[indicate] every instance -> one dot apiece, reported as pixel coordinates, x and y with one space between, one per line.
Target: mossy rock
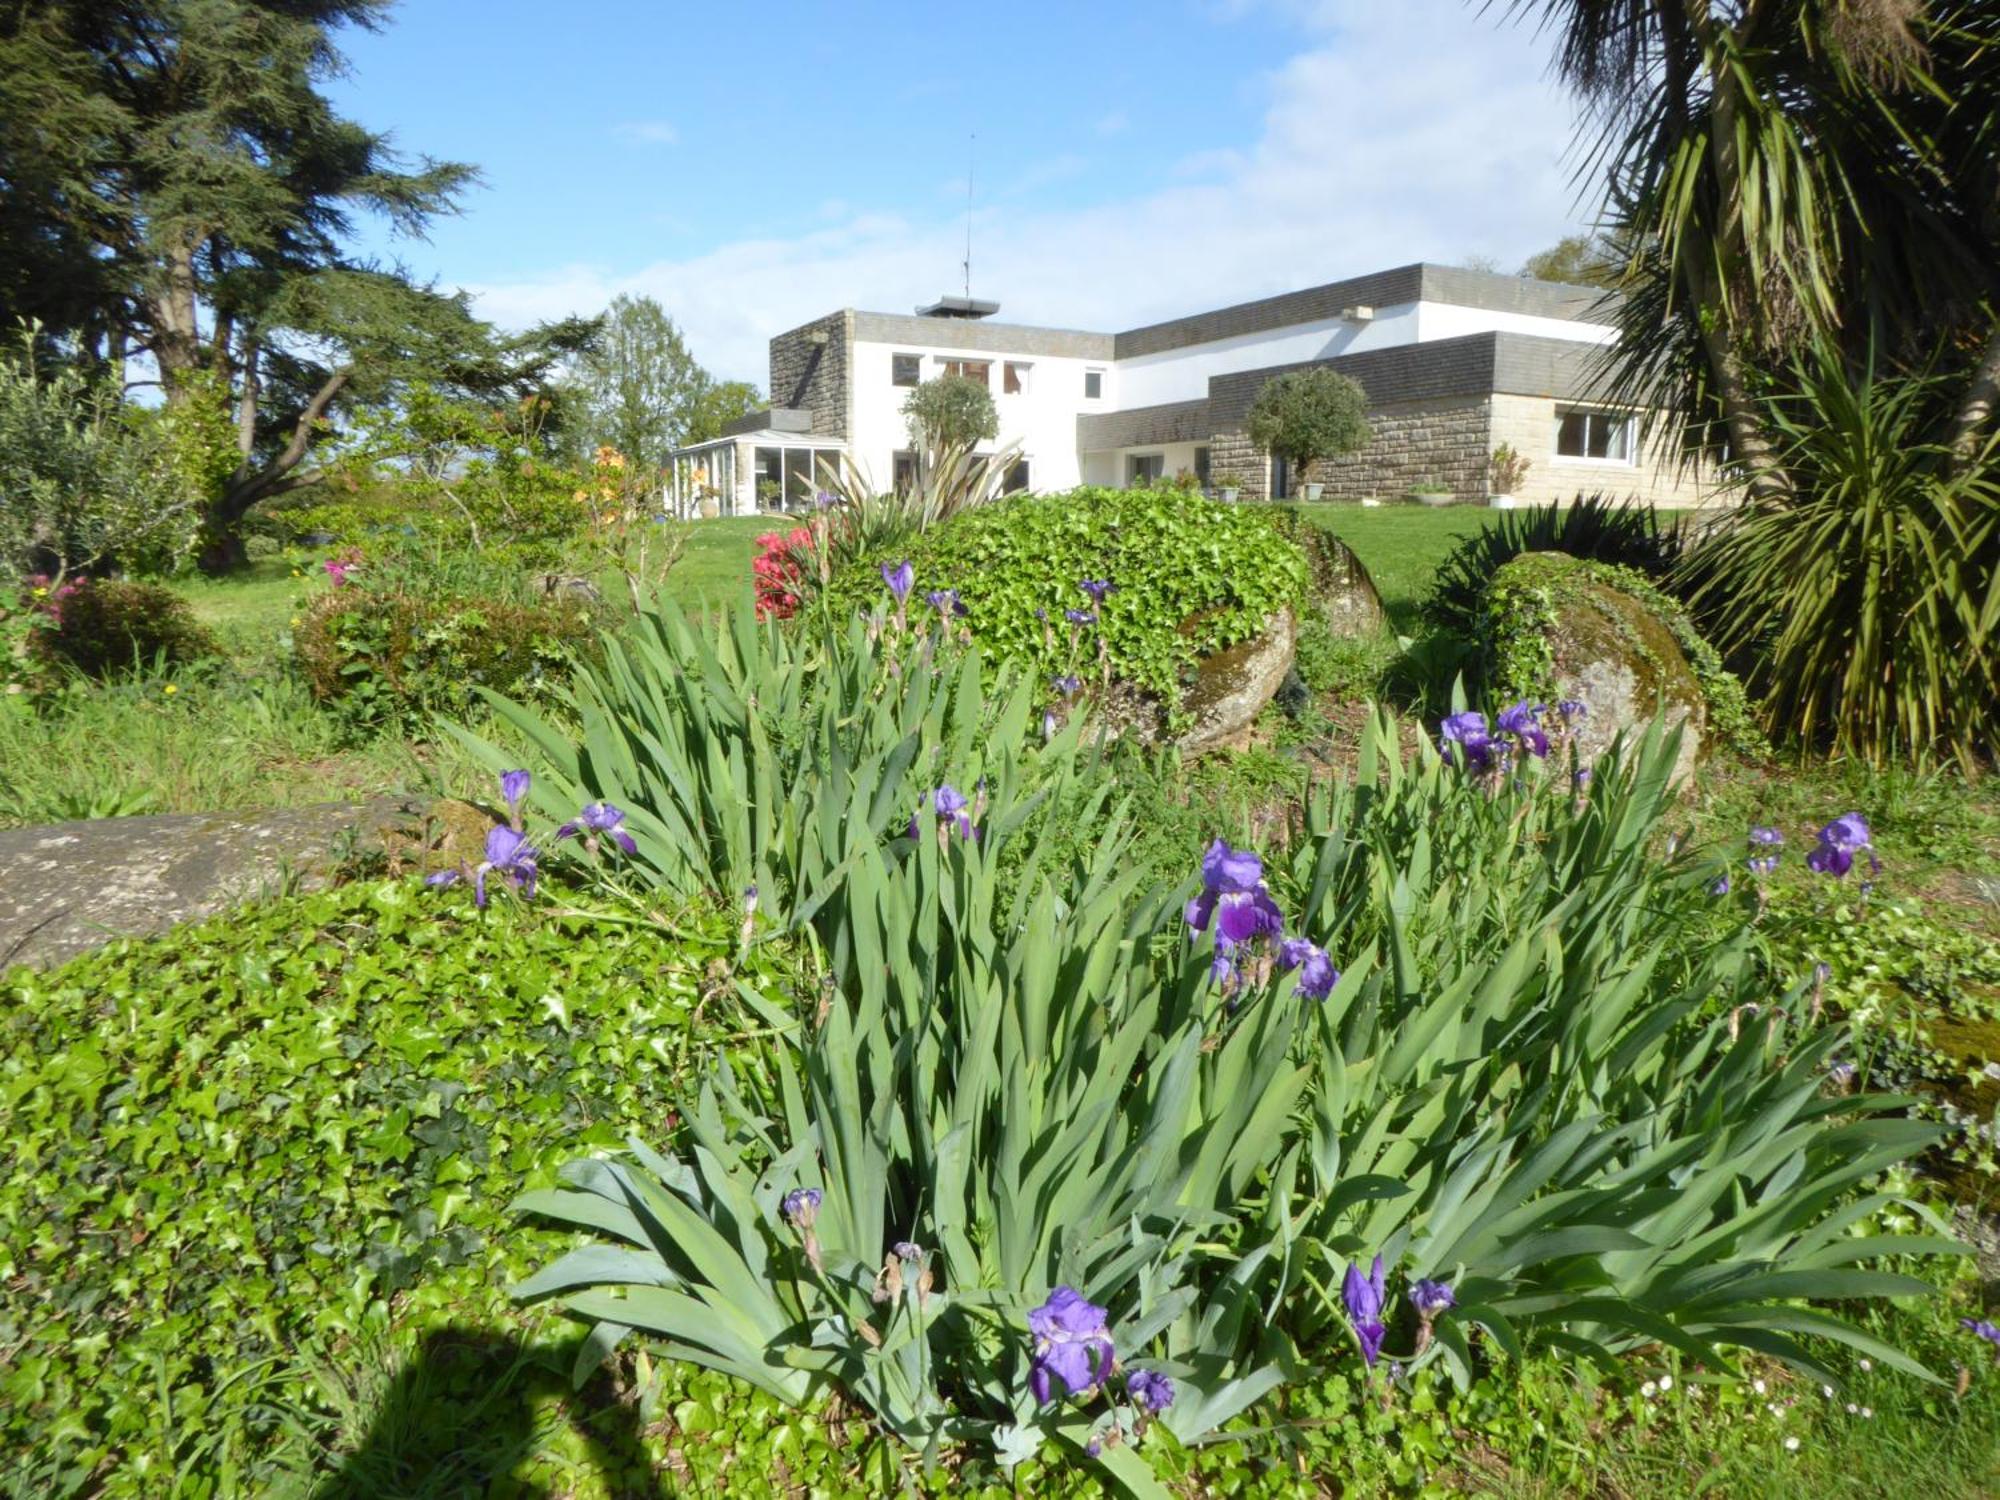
1556 627
1338 585
1227 691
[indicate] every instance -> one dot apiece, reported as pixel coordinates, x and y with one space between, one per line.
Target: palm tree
1790 174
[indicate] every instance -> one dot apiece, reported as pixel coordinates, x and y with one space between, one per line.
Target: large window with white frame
1593 436
1014 378
980 370
906 369
1142 469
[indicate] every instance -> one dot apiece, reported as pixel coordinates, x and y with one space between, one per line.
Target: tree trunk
176 326
1975 412
223 548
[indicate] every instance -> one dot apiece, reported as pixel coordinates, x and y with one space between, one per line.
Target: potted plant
1228 487
1507 468
767 494
1432 492
1306 415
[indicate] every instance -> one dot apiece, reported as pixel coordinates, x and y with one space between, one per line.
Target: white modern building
1455 364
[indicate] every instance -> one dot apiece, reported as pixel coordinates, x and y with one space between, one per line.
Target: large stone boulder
1231 687
71 887
1337 585
1556 627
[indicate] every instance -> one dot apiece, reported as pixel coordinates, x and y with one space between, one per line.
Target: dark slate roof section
979 337
1170 422
775 418
1478 364
1312 305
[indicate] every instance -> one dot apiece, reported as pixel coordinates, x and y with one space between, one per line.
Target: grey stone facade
1171 422
811 366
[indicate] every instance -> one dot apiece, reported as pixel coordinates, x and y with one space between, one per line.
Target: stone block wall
1444 441
1529 423
814 376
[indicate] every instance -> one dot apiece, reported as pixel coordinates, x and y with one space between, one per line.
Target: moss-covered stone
1338 586
1557 627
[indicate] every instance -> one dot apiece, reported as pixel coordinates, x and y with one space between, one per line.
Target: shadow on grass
470 1407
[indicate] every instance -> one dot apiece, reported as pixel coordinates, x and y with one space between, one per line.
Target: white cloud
646 133
1413 131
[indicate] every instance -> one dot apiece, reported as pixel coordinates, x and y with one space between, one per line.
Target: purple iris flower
1080 616
901 578
908 1250
1572 710
1462 738
1072 1344
508 853
945 601
1097 588
1365 1298
1720 886
1843 838
1068 685
1430 1298
1150 1390
1232 882
1983 1329
1523 721
513 787
1582 778
949 803
801 1206
1317 975
601 818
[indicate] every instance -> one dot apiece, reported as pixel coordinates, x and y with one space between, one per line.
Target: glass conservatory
766 471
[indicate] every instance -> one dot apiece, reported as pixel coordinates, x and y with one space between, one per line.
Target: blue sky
752 167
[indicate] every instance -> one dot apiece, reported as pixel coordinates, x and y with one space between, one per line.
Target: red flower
776 572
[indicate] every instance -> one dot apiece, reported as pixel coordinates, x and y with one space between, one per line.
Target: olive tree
1306 415
951 411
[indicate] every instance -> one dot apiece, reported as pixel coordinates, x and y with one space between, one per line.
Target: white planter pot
1436 497
1500 502
1228 496
1311 491
1370 501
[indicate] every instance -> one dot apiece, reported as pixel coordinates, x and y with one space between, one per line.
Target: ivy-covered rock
1187 578
1556 627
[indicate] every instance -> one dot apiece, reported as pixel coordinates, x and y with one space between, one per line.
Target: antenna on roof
971 140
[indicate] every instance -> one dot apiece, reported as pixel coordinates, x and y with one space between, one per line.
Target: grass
1401 546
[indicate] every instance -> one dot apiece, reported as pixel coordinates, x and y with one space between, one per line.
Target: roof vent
959 307
1361 312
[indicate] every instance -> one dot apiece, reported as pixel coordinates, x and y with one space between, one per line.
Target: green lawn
1401 546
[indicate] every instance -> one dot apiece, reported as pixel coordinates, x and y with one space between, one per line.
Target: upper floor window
906 369
980 370
1604 435
1013 378
1093 385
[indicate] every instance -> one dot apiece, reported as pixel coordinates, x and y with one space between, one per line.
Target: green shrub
107 626
1593 526
1192 577
382 654
1869 602
1305 415
242 1155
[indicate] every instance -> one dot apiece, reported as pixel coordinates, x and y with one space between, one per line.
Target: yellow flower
295 622
41 593
170 688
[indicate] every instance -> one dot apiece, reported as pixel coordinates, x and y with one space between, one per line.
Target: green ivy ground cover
289 1130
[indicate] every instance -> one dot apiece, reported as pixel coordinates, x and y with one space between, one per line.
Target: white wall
1042 418
1447 320
1182 374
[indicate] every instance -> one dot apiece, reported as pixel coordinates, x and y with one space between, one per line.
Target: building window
906 369
1017 475
1603 435
903 473
980 370
1093 385
770 485
1201 467
1014 378
1144 468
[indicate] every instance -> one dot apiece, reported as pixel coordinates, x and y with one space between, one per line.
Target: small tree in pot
1307 415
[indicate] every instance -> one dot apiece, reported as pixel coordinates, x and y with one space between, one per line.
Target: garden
1107 992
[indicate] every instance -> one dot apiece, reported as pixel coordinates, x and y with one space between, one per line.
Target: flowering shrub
777 573
101 627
